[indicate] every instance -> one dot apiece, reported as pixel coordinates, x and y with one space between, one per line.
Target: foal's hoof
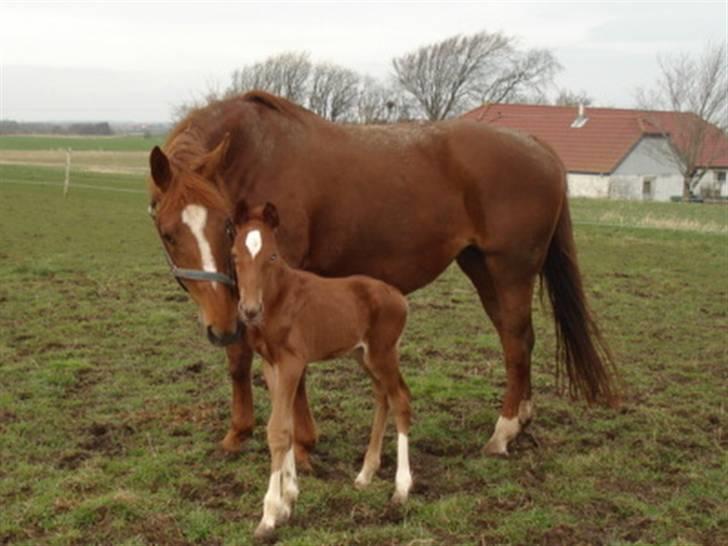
496 448
265 533
399 498
233 442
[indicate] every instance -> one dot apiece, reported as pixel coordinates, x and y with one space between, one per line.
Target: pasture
112 402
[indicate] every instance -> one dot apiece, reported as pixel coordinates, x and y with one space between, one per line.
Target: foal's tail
580 348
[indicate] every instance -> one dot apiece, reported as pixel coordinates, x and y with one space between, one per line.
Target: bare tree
383 103
567 97
450 76
213 91
286 74
697 87
333 91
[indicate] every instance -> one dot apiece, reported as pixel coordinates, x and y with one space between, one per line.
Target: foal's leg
240 358
385 368
282 487
373 457
507 301
305 434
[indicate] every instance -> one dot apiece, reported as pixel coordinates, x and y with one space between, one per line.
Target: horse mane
187 189
202 120
277 104
190 139
185 148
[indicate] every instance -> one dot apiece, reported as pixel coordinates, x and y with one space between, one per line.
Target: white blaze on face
253 242
195 217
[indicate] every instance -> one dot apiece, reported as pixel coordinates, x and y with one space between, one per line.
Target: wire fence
654 224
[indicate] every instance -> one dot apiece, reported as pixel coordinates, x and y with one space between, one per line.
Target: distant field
52 142
112 402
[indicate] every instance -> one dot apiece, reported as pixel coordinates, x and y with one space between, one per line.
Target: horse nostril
213 335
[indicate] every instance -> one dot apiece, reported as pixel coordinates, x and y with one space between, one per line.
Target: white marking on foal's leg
403 479
274 509
368 469
253 242
505 430
195 217
290 479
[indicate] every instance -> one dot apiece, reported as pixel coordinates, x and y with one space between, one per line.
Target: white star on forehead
254 242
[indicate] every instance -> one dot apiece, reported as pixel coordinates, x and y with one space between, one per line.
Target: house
619 153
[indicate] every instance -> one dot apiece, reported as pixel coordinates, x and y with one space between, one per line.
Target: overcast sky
122 61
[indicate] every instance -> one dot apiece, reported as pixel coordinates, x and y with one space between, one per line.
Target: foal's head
191 214
255 254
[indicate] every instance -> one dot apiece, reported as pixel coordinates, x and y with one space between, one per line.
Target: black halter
194 274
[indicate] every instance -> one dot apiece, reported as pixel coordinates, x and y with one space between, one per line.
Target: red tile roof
606 138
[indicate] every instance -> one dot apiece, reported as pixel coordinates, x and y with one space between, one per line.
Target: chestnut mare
395 202
294 317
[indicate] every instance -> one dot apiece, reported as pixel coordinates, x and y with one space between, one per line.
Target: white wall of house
649 172
588 185
645 188
713 182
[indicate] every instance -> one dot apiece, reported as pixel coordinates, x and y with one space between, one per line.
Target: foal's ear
242 214
213 160
270 215
161 171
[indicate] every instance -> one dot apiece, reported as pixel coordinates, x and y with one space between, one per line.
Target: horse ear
161 171
242 214
212 161
270 215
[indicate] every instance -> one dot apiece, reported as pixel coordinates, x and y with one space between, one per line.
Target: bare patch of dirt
106 438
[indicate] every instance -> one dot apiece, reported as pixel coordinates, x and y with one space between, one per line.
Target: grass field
124 143
112 402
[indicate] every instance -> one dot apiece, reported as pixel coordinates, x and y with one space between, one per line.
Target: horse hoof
232 443
495 449
265 533
399 498
361 483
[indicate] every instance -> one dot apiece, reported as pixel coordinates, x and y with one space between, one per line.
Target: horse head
192 216
255 255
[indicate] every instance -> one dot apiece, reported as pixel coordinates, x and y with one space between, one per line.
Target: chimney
581 119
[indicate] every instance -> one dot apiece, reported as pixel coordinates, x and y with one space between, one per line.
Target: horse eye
230 232
168 238
273 257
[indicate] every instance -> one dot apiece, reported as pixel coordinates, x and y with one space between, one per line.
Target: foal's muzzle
250 314
221 339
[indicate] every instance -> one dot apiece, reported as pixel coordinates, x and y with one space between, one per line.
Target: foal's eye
230 232
273 257
168 238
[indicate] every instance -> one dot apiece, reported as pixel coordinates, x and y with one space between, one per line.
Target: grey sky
134 61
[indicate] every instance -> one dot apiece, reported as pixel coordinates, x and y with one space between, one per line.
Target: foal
294 317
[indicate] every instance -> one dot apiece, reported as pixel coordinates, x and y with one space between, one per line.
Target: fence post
67 182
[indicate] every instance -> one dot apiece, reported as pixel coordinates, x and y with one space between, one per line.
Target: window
720 177
648 187
579 122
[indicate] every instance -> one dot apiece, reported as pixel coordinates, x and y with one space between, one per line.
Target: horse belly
405 264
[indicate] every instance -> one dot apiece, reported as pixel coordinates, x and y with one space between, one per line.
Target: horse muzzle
222 339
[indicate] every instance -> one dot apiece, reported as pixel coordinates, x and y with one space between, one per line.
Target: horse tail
581 351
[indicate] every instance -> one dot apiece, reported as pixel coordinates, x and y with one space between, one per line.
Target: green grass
112 403
81 180
78 143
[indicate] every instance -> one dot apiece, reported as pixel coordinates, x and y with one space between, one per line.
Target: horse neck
277 284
